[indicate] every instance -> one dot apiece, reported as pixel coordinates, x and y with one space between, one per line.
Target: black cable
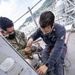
69 62
66 65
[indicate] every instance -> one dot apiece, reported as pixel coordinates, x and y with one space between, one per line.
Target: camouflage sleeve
24 37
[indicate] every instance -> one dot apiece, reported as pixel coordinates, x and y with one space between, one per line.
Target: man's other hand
42 69
28 50
30 41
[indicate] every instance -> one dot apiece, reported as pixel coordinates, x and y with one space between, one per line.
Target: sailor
53 35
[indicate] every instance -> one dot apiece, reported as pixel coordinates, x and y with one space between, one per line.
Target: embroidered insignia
62 37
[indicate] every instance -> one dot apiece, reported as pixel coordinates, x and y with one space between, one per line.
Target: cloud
7 7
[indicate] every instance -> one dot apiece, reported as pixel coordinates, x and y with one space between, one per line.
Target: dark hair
46 19
5 23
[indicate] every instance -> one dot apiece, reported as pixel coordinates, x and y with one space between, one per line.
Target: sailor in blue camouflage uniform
53 35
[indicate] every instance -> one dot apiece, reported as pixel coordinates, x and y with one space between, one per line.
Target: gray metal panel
20 66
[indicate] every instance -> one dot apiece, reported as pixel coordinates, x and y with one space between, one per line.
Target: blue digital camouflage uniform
53 54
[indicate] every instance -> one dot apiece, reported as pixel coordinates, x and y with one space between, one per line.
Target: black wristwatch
47 64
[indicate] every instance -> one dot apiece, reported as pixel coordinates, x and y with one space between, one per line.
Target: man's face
47 30
10 30
10 33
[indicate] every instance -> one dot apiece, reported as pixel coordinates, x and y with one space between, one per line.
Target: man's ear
1 31
52 26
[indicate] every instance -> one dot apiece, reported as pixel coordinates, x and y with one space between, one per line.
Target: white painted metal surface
10 61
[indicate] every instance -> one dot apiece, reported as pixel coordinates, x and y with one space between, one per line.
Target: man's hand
42 69
28 50
29 43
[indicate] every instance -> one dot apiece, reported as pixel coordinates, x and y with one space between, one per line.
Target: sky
13 9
